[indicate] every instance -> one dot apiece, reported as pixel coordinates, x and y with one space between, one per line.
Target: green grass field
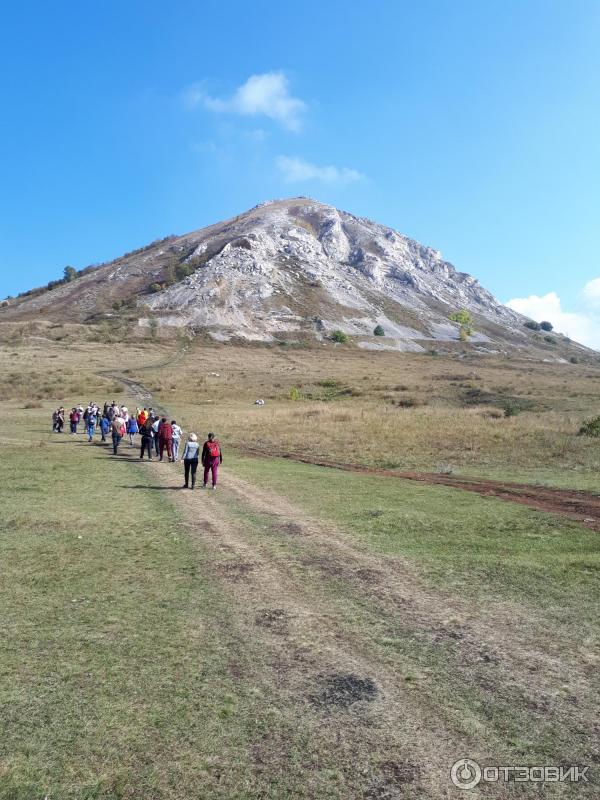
301 633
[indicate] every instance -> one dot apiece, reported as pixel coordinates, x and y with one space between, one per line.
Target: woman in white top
177 433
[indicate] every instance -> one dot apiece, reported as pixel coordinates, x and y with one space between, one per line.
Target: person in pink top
212 458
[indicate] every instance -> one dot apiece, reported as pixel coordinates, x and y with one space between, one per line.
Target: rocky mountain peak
291 268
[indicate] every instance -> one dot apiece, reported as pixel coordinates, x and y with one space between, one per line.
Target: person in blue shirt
91 426
104 427
132 429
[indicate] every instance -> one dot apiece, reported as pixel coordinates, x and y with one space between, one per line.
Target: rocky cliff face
301 266
291 268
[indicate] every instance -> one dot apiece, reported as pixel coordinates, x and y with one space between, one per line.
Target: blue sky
471 126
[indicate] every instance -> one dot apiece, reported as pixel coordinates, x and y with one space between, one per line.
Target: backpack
213 448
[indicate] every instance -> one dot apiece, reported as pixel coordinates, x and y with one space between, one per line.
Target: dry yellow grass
407 411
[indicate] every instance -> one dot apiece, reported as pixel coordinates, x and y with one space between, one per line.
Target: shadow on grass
158 488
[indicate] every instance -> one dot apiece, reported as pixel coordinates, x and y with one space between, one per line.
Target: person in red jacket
165 438
212 457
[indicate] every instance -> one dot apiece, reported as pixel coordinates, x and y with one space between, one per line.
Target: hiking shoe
213 488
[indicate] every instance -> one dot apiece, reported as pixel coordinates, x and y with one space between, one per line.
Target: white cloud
296 170
591 292
267 94
579 326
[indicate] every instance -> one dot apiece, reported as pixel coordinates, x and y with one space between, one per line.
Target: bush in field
546 326
591 427
532 325
339 336
379 331
295 394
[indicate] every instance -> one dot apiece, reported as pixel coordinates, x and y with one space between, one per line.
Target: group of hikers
157 434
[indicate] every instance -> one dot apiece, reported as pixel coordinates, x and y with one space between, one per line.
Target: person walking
212 457
104 427
55 421
91 425
177 434
118 431
74 420
147 436
156 430
165 436
190 460
132 429
60 421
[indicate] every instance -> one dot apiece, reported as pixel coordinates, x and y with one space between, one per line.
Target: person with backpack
91 425
55 421
190 460
132 428
104 427
118 431
147 436
165 439
177 434
212 458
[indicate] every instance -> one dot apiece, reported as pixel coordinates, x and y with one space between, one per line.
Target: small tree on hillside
546 326
70 273
532 325
379 331
465 320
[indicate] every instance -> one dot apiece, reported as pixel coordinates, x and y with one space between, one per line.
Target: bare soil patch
571 503
342 690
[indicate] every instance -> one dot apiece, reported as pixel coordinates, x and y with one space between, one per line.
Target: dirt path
388 738
571 503
318 606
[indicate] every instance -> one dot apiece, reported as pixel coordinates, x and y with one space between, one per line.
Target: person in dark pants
147 439
165 436
118 432
190 460
212 457
104 427
156 423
